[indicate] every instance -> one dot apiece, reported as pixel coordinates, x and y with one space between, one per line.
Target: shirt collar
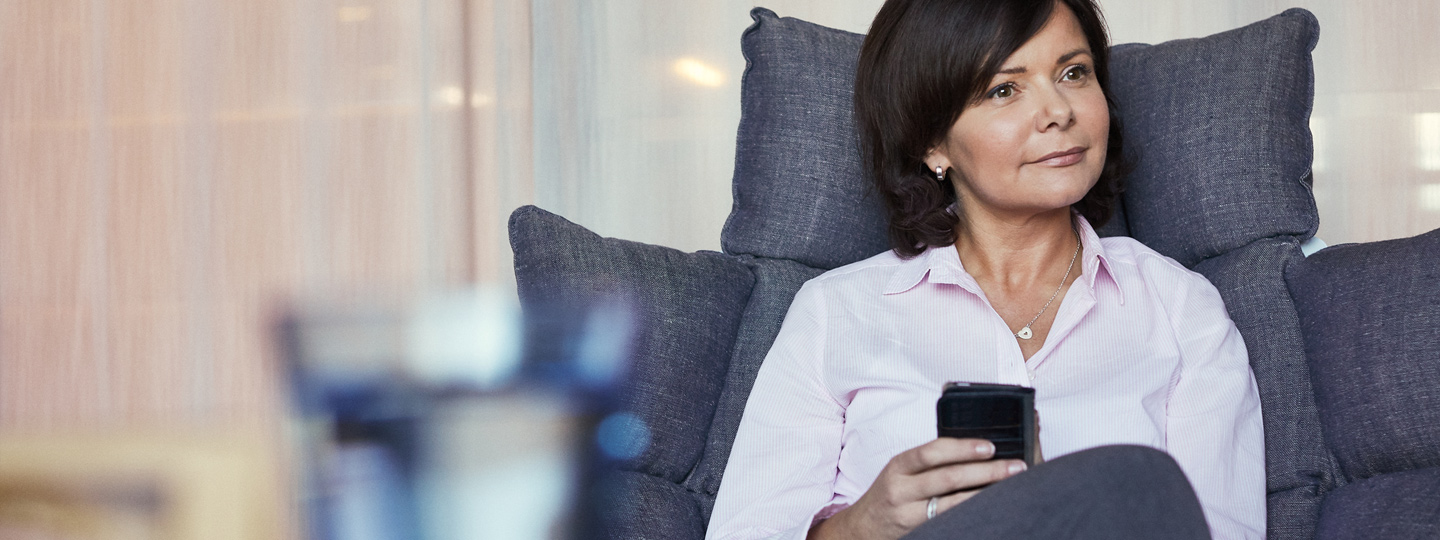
1095 258
942 265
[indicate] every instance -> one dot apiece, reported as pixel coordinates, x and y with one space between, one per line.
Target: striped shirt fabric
1142 351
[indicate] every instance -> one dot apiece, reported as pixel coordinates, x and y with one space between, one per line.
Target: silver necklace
1025 332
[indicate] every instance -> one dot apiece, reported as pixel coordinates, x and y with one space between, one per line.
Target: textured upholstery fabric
687 306
1299 470
644 507
776 284
1220 129
1370 314
800 193
1395 506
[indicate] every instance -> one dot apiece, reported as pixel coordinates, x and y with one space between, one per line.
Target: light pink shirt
1141 352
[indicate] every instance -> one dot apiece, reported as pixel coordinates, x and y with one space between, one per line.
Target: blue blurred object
456 418
622 436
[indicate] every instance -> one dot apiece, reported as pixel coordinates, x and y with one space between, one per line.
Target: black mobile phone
1002 413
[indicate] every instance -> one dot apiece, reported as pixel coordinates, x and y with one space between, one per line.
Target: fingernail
985 448
1017 467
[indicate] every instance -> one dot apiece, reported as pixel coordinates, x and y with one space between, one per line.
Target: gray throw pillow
1219 128
1396 505
1370 314
687 309
800 191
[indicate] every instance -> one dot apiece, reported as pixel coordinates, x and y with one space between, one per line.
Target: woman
992 139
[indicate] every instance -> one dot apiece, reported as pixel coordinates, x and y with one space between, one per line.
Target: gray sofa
1343 344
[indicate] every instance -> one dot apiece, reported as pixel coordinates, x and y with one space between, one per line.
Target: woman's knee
1128 462
1126 472
1142 481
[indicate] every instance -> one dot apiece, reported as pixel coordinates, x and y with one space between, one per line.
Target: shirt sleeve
781 473
1214 428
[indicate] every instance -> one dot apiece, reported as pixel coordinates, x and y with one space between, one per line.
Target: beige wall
172 170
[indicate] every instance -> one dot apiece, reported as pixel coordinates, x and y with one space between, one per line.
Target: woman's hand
951 469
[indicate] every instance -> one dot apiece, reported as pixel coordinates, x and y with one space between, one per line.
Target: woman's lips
1063 158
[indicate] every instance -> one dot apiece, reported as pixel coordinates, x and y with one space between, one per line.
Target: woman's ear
936 160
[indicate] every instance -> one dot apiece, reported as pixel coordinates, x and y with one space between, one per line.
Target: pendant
1025 333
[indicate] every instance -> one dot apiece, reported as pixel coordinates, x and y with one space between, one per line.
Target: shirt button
1031 372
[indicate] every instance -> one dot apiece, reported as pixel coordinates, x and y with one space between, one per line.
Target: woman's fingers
949 469
945 466
1039 452
940 452
952 500
964 476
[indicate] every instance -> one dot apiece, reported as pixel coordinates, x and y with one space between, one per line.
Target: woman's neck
1016 252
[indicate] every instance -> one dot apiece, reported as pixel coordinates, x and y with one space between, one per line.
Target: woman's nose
1055 111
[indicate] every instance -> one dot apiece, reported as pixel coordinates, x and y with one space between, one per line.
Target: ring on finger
930 508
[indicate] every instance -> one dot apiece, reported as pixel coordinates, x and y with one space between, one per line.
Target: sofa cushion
800 192
1219 130
1298 469
637 506
686 312
1370 313
1403 505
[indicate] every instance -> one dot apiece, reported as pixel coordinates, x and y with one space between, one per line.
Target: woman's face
1036 140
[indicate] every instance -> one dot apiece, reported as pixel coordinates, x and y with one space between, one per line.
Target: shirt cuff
824 514
797 532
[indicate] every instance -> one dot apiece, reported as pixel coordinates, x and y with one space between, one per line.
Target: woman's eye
1075 73
1001 92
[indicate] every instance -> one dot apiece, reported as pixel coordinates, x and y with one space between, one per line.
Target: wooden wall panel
256 256
373 241
53 360
47 215
176 172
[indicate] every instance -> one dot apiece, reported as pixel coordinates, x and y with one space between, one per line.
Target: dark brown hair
918 57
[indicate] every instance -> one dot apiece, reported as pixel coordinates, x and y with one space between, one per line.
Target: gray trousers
1121 492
